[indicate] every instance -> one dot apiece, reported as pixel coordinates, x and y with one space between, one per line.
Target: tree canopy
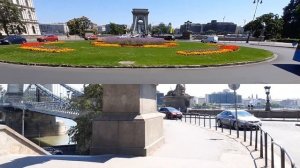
90 103
11 18
162 28
116 29
78 26
272 28
291 18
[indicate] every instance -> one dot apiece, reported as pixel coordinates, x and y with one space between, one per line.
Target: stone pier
130 123
36 124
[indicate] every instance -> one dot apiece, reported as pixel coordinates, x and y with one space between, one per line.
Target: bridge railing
51 108
258 138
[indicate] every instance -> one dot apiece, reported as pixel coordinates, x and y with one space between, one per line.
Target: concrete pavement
287 134
186 146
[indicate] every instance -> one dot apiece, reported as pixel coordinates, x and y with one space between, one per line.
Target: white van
210 39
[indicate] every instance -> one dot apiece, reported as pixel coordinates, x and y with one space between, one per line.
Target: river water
56 140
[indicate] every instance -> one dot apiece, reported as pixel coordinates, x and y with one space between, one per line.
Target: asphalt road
283 70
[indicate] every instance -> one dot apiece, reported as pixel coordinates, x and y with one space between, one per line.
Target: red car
171 113
91 37
47 38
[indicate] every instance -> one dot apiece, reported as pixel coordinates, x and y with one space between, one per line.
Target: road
283 70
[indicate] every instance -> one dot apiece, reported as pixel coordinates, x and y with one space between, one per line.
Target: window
33 30
26 1
18 2
29 15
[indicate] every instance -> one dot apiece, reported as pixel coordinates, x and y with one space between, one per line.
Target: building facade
55 29
213 27
28 16
220 27
225 97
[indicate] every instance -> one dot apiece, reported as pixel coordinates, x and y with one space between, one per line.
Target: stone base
137 136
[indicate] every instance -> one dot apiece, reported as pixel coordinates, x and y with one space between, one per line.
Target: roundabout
142 52
282 70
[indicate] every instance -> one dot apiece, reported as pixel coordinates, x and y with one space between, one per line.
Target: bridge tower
14 92
140 21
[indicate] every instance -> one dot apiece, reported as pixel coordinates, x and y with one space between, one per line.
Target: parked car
210 39
53 151
91 37
46 38
14 39
171 113
166 37
297 52
245 119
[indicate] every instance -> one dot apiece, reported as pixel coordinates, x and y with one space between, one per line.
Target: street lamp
23 118
268 105
264 30
257 2
235 87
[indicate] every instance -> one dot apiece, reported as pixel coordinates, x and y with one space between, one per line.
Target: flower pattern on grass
219 49
45 47
134 42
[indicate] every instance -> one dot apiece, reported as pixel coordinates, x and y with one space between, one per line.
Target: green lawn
87 55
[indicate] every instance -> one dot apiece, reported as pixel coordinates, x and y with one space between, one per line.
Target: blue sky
174 11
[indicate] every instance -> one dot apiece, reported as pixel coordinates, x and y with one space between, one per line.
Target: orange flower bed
219 50
42 47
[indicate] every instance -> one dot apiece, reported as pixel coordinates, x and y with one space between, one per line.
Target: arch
139 27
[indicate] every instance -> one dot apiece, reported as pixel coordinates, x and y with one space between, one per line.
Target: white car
210 39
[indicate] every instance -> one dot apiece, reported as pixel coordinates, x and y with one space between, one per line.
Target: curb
273 46
269 59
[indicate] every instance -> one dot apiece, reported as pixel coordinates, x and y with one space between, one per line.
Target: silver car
245 119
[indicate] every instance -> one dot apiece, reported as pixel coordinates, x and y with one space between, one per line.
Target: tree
160 29
272 28
117 29
291 18
163 28
78 26
90 103
10 18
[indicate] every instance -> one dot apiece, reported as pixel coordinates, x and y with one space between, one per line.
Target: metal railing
262 140
50 108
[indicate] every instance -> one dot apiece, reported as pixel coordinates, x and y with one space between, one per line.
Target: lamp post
264 30
257 2
23 118
268 105
235 87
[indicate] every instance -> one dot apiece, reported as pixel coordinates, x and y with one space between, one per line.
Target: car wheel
235 126
219 123
169 117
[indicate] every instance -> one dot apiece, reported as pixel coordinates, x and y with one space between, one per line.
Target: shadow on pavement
34 160
292 68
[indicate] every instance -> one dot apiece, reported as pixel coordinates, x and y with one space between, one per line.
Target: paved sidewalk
186 146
